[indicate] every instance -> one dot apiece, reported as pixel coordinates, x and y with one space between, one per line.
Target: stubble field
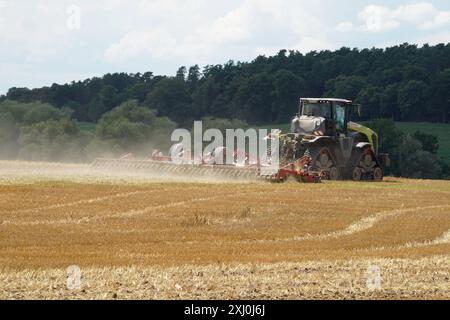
136 236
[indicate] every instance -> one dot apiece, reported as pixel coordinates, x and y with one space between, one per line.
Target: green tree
253 100
52 140
440 107
347 87
170 97
131 128
193 75
96 108
389 138
414 162
388 135
371 98
287 88
412 99
429 142
181 73
389 103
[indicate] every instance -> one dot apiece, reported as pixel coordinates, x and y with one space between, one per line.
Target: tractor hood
307 124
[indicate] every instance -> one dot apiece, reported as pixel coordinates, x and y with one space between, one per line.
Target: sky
59 41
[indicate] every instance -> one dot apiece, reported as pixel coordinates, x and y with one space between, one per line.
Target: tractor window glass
317 110
340 117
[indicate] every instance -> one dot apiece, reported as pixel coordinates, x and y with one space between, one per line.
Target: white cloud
157 43
252 26
439 20
235 25
422 15
378 18
434 38
345 27
308 44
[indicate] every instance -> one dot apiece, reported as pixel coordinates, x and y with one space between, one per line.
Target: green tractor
338 148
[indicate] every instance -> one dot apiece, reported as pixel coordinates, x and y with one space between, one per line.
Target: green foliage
33 112
412 99
170 97
130 128
253 98
411 156
440 130
52 140
414 162
429 142
16 115
440 105
345 86
287 85
389 137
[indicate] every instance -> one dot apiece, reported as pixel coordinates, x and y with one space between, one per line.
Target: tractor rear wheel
377 174
363 166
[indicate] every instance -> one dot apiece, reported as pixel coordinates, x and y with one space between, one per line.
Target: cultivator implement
190 170
297 171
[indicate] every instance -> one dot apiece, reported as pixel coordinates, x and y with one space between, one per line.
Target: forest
400 83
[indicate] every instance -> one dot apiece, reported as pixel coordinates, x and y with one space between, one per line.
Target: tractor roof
317 100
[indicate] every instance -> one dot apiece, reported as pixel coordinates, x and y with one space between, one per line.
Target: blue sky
48 41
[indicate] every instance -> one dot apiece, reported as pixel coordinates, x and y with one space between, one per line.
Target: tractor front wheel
356 174
334 173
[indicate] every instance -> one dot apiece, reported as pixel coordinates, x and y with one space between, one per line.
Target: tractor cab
321 116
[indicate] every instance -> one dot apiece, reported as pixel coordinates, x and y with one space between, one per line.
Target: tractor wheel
334 173
362 166
377 174
322 161
356 174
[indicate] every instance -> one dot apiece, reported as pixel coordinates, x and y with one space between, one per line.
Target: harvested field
149 236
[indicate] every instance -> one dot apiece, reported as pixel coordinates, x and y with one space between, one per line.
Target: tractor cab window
317 110
340 117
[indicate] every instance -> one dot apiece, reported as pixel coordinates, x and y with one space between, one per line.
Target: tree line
403 83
